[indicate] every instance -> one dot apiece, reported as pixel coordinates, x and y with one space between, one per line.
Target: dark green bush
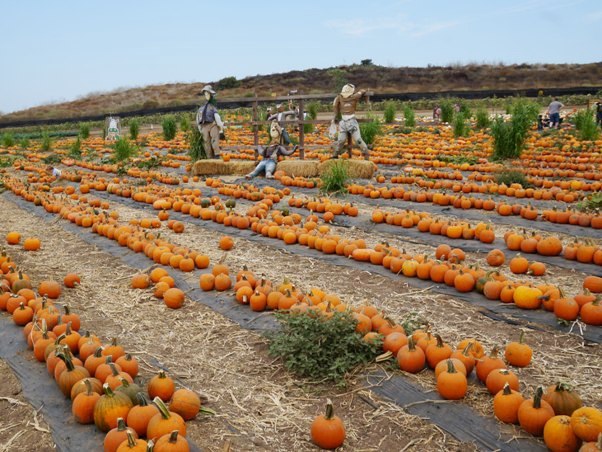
170 127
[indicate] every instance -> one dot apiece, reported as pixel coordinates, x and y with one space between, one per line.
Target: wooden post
350 145
255 126
300 118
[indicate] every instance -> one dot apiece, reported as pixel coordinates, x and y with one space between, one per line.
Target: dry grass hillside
378 78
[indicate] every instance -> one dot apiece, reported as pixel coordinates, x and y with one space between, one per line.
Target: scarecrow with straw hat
270 153
210 123
345 105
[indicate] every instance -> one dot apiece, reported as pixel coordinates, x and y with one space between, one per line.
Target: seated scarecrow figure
210 123
270 153
345 106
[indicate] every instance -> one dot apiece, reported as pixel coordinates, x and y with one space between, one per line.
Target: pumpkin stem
124 382
173 437
131 439
98 352
521 339
88 386
411 345
507 389
439 341
114 370
108 391
162 407
121 425
537 397
142 399
467 349
329 409
450 367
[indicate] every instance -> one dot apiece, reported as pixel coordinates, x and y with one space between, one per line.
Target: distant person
540 122
54 171
270 153
345 105
554 112
210 124
281 115
599 113
457 108
437 113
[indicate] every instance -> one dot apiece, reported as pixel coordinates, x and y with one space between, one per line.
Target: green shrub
465 110
585 124
370 130
338 77
509 136
75 150
84 131
312 110
46 142
134 129
483 120
320 347
124 150
593 203
307 128
334 179
389 113
409 116
195 143
169 127
460 126
447 111
510 177
184 123
8 139
24 143
227 83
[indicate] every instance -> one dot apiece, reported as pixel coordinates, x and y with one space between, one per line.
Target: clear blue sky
59 50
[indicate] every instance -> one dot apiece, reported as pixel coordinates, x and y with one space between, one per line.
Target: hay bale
304 168
217 167
357 169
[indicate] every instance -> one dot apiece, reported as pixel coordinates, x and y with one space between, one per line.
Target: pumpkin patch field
451 301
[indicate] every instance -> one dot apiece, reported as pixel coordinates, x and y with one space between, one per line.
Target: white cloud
360 26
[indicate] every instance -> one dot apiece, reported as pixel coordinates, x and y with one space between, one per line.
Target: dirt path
21 426
259 406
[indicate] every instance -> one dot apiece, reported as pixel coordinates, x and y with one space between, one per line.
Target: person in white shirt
554 113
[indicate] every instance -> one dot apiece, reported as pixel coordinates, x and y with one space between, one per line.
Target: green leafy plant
412 322
151 163
170 127
46 142
84 131
24 143
195 143
320 347
334 179
8 140
389 113
509 177
592 203
75 150
482 118
52 159
409 116
184 123
460 126
370 130
124 150
134 129
586 125
447 111
6 161
312 110
509 136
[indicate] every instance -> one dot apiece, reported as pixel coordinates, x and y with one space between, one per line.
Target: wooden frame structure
300 122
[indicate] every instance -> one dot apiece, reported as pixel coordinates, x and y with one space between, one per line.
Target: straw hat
348 90
208 88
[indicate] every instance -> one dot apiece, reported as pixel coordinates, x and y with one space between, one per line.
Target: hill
377 78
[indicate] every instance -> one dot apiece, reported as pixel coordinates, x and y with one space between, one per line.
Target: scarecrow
345 105
281 115
270 153
210 124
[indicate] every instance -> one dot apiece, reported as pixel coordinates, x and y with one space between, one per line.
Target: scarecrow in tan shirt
210 124
345 105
